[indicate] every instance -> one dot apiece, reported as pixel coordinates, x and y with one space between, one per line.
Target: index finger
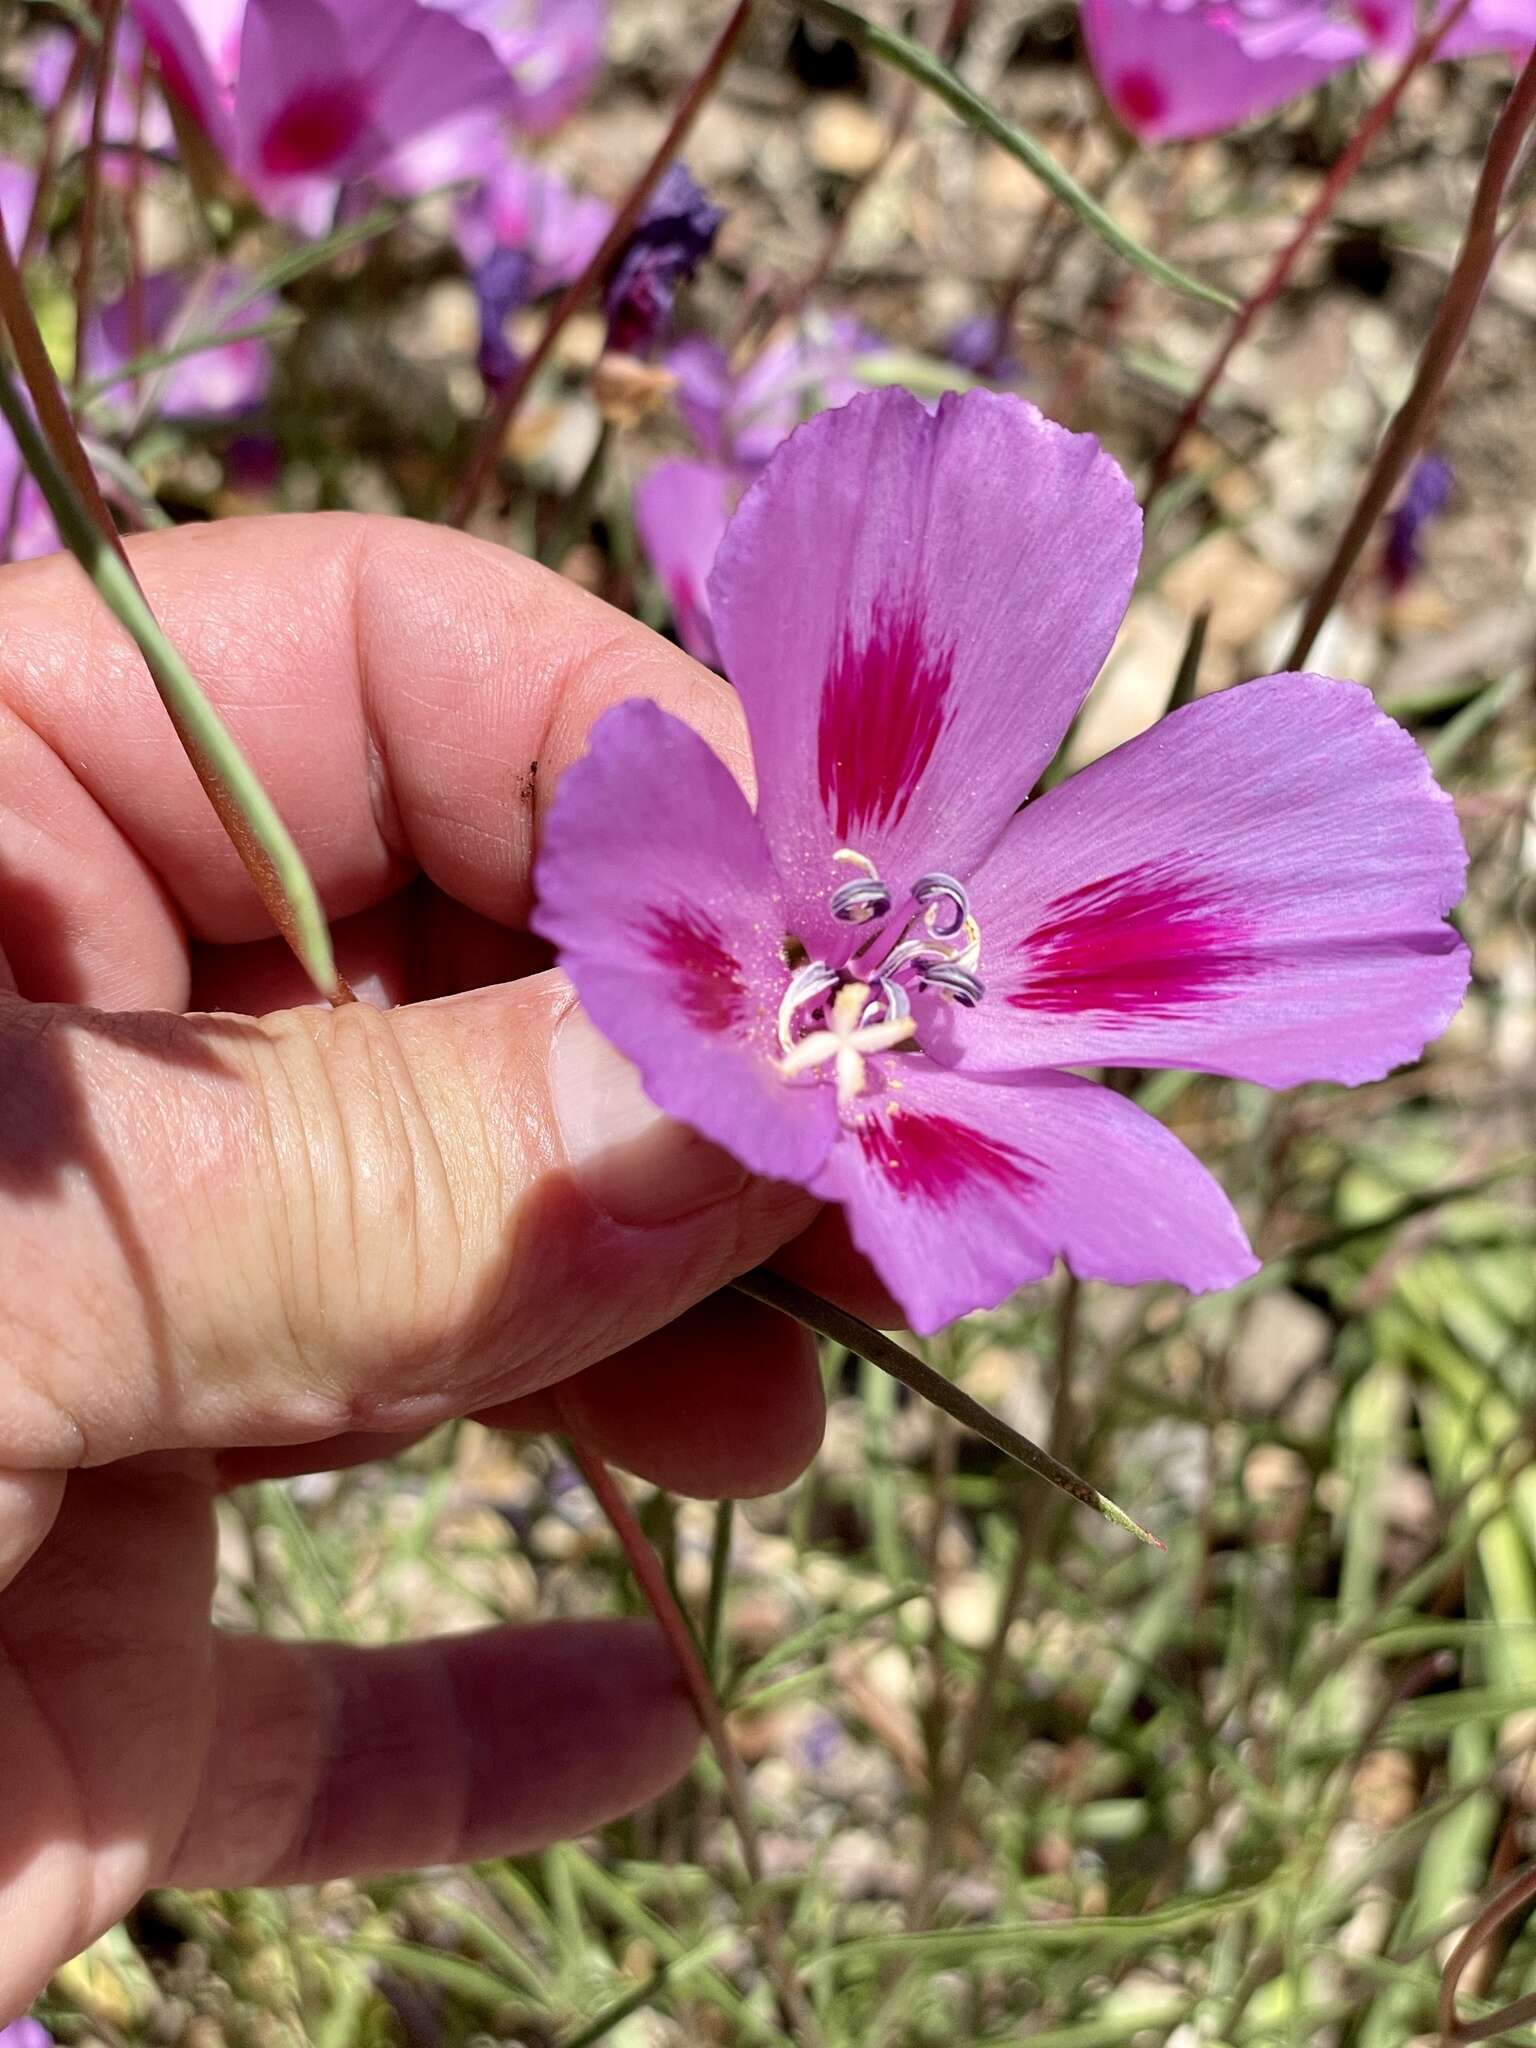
408 695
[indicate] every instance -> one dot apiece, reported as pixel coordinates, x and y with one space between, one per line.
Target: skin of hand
246 1235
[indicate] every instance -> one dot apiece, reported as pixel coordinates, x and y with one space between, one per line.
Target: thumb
222 1230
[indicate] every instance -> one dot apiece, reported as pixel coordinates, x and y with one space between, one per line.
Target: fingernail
636 1164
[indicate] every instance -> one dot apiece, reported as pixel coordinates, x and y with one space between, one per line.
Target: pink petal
960 1191
681 513
912 605
1171 73
188 67
1490 25
1257 887
656 885
327 91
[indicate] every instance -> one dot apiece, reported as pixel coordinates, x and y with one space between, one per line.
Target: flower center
839 1014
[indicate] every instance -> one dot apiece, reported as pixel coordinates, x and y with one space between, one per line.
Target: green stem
207 737
937 78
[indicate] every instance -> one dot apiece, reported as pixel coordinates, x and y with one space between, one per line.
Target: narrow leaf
119 591
922 66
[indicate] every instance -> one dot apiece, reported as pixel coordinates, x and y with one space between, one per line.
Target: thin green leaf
178 687
923 67
157 359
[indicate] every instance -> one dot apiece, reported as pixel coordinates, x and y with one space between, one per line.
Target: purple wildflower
552 49
875 985
979 343
525 233
18 186
672 237
218 383
26 524
317 92
1177 68
1430 484
682 508
25 2033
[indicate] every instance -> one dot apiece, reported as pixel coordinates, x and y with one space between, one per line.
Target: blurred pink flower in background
314 93
218 383
524 233
552 51
1171 69
738 419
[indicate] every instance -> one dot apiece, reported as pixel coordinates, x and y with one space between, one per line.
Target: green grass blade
157 359
178 688
926 70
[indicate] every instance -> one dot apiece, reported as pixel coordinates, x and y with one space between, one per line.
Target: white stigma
846 1042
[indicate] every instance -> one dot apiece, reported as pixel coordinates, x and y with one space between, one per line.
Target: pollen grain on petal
933 1158
711 987
884 703
1148 941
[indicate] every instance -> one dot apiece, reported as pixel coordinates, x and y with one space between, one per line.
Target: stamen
859 902
804 987
933 892
950 979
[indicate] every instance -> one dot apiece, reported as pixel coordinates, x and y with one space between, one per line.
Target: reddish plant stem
1503 1907
1339 175
504 406
133 222
1403 438
85 269
48 160
652 1581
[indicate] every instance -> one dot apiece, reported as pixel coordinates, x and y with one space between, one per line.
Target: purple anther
862 901
939 889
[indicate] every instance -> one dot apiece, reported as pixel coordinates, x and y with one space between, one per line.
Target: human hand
233 1249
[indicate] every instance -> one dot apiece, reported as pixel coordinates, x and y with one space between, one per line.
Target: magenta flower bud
672 238
1430 483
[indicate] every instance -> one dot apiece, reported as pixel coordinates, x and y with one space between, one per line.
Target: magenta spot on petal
882 710
1147 943
932 1158
315 130
710 988
1140 97
1375 19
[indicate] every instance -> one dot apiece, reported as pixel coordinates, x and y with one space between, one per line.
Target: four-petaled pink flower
299 96
1178 68
874 986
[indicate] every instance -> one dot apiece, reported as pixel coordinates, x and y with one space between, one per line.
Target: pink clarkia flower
26 525
217 383
875 984
682 507
1177 68
552 49
315 93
